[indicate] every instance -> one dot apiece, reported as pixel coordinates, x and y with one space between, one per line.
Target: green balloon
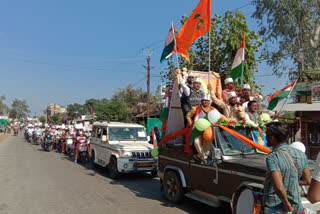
202 124
265 117
155 152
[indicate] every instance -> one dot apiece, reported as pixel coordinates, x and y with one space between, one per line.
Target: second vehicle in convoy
122 148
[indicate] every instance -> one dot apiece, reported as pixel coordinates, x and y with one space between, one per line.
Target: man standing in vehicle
232 110
197 112
229 87
191 96
285 166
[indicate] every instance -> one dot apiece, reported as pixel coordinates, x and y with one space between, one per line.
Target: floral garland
240 123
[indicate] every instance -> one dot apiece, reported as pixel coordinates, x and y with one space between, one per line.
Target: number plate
144 164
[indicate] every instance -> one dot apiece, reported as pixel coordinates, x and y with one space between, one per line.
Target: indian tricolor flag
238 62
169 45
276 97
165 112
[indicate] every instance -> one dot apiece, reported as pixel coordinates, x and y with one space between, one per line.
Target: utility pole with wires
148 67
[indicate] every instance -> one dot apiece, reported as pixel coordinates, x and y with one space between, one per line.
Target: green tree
292 28
130 96
226 37
19 109
56 119
4 109
75 110
113 110
43 119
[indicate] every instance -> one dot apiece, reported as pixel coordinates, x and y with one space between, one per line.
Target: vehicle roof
116 124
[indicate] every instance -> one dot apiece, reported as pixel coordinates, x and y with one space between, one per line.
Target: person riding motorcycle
78 139
37 133
29 133
15 129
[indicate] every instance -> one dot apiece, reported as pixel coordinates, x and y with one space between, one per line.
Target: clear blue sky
69 51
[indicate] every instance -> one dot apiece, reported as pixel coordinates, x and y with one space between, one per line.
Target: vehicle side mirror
148 138
104 138
217 154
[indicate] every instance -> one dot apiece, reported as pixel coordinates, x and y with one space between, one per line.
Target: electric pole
148 67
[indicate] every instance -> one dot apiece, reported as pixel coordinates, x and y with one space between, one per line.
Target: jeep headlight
125 154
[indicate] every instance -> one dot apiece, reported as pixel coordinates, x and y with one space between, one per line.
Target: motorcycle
82 147
36 138
69 144
15 132
47 143
58 144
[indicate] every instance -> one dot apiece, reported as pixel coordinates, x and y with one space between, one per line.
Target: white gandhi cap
205 97
197 79
190 74
246 86
228 80
232 94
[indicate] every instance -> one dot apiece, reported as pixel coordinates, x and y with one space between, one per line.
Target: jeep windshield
127 134
233 146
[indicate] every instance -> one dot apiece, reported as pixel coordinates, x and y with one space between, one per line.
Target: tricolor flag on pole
238 62
169 45
283 93
165 112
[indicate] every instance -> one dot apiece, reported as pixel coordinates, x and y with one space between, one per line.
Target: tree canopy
293 26
4 109
19 109
226 37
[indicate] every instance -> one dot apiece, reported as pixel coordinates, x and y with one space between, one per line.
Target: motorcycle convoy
67 140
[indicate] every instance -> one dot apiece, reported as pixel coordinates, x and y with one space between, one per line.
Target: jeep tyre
92 157
113 168
154 173
172 187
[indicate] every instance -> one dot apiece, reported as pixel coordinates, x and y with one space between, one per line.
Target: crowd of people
287 166
37 133
242 105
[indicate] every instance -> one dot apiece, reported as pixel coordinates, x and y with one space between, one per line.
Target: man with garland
201 111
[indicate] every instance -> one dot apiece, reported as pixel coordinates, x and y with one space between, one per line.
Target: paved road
37 182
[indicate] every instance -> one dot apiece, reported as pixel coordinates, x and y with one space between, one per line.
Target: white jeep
122 147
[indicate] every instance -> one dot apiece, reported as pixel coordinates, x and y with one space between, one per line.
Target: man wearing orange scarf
200 111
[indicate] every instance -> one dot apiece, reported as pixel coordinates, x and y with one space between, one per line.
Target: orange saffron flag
198 24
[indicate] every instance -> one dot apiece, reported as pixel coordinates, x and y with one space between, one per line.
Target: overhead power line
67 66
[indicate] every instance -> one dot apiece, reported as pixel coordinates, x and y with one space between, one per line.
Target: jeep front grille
141 155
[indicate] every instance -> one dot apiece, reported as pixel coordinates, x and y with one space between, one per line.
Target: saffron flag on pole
275 98
197 25
169 45
238 62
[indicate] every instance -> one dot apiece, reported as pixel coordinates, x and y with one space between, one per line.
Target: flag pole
285 101
209 66
244 49
175 45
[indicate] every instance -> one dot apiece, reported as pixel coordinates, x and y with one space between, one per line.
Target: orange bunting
245 139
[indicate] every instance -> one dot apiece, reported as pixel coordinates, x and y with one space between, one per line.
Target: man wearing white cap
191 96
245 97
197 112
229 87
232 110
